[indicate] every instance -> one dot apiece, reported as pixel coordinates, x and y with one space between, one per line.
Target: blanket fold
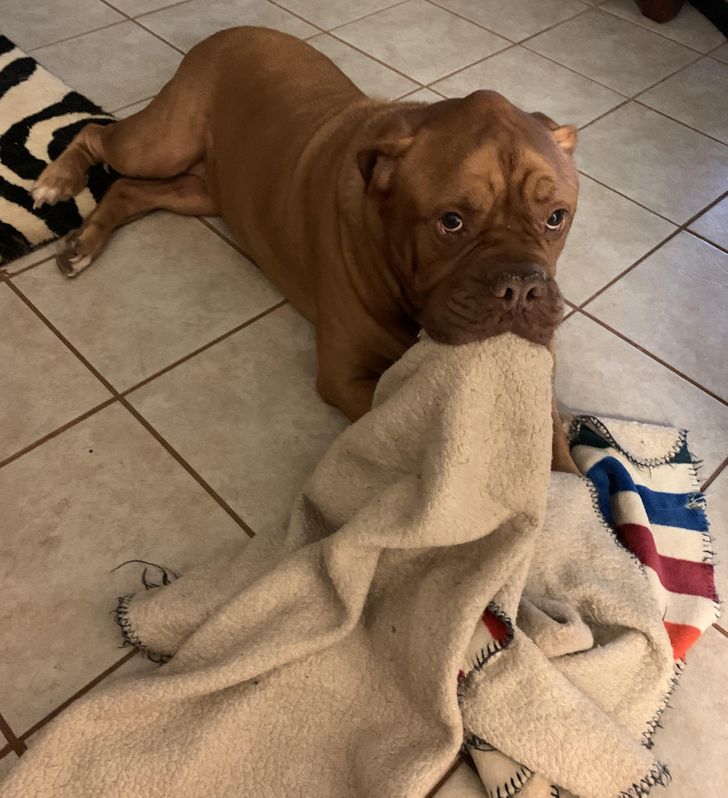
434 584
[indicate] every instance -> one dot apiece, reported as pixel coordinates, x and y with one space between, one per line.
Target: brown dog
374 219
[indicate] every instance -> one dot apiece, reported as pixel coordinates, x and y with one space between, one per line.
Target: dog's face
476 198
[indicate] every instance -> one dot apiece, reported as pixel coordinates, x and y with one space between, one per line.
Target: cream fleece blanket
323 662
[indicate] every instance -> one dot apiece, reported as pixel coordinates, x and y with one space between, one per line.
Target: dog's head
475 199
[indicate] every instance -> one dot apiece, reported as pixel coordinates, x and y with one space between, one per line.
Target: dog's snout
514 289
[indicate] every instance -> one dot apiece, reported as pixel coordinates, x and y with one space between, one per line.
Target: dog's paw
75 256
55 184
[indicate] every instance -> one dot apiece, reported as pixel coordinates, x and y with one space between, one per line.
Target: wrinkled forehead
490 172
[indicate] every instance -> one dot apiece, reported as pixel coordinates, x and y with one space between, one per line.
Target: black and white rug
39 115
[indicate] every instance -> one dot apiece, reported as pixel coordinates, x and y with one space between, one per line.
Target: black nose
524 290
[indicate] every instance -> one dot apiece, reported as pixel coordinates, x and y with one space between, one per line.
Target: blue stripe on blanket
667 509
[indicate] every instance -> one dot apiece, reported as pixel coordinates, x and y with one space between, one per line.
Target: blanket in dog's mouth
334 645
39 116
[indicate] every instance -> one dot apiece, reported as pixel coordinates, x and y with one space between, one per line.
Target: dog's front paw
55 184
76 255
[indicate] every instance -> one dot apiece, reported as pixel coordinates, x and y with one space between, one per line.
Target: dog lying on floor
374 219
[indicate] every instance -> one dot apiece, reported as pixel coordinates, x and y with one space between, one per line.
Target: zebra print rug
39 115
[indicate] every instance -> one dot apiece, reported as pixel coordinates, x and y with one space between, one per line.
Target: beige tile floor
163 406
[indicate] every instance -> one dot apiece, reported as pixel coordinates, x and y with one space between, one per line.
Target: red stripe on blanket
682 638
677 576
495 626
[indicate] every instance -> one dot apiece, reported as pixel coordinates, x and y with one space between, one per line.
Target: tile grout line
161 8
341 24
83 416
203 348
227 240
432 793
15 744
674 119
510 46
138 416
78 694
624 102
391 68
635 99
683 228
30 266
627 197
129 105
54 433
667 77
457 14
183 53
109 387
143 27
711 479
502 35
652 356
75 36
652 30
704 238
187 467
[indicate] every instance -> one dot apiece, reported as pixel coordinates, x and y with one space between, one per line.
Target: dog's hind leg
163 140
186 194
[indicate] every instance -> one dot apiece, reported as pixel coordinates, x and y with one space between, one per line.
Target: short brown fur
339 199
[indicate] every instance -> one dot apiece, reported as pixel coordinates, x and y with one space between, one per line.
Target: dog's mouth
463 317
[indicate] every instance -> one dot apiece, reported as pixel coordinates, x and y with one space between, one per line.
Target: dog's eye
556 219
451 222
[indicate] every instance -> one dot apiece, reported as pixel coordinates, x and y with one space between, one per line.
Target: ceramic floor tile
596 372
32 25
421 40
721 53
137 665
129 110
125 50
423 96
535 84
246 415
330 13
717 503
99 494
462 783
515 19
608 235
657 162
164 286
713 224
44 385
696 96
665 304
694 737
135 7
689 27
618 54
36 256
218 223
187 24
7 763
369 75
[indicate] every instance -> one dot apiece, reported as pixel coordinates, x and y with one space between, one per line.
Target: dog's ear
564 135
378 161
